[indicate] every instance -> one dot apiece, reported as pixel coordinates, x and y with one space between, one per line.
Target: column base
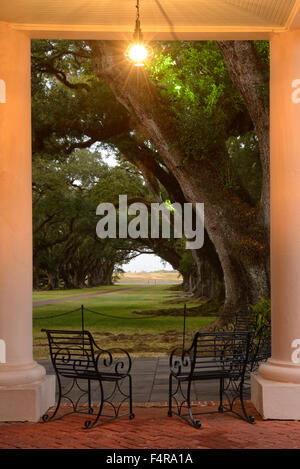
275 400
27 402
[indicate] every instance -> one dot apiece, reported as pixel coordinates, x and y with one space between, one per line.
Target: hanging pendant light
138 52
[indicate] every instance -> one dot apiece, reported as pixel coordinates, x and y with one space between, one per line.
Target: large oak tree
235 226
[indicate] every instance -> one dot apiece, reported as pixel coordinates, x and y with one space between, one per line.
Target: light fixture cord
138 32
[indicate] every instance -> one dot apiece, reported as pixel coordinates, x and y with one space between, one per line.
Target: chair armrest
115 360
180 361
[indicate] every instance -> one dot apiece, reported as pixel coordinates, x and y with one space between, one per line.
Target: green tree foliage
201 94
212 118
263 310
66 249
71 111
71 108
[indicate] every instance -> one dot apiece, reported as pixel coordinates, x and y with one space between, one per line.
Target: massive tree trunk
94 276
231 223
252 80
53 280
107 273
206 278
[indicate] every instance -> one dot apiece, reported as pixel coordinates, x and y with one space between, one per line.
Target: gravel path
87 295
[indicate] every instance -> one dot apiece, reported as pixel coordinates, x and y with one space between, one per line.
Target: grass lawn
140 335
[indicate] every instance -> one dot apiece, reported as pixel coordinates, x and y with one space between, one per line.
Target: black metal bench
260 349
245 321
75 356
222 356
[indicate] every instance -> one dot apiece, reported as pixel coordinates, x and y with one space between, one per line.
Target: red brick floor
154 430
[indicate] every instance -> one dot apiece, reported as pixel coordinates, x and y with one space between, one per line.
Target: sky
144 262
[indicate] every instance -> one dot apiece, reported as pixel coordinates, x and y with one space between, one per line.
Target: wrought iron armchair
75 356
219 356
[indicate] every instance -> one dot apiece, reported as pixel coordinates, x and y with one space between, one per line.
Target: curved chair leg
46 417
220 409
91 423
195 423
249 418
91 410
170 413
131 414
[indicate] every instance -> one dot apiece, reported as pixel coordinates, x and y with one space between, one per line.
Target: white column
25 391
276 389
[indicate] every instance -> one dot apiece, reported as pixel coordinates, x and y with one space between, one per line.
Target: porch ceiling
114 19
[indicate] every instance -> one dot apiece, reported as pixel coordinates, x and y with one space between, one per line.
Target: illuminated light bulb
138 54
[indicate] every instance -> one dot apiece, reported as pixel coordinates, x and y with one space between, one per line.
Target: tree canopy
192 127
